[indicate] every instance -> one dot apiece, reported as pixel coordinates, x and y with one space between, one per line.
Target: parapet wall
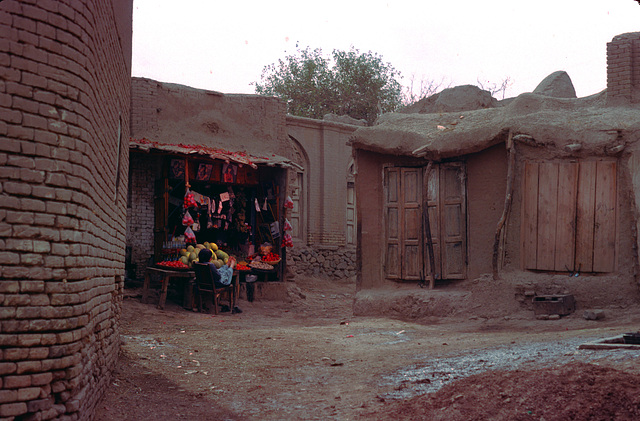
623 69
64 123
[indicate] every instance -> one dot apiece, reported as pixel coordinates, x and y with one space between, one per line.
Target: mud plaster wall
634 170
64 121
323 251
590 290
486 188
172 113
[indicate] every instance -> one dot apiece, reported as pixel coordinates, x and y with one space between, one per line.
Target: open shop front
232 203
233 208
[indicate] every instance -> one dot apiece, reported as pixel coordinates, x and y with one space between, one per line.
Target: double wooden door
410 194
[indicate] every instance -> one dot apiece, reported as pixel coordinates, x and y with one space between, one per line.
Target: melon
222 255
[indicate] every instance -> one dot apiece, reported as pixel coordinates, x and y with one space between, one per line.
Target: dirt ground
309 358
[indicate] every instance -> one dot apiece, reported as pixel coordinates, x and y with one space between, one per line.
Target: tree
494 88
360 85
414 92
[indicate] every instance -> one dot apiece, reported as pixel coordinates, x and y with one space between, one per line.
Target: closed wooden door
445 198
402 220
569 215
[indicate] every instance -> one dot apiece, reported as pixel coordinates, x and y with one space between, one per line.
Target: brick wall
144 104
623 69
326 174
64 101
140 212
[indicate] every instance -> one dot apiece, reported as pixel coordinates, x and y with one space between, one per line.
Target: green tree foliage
351 83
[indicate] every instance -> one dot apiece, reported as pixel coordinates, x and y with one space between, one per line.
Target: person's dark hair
205 255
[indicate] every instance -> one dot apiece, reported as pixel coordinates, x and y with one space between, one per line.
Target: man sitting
223 276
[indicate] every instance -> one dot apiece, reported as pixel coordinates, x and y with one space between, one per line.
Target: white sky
223 45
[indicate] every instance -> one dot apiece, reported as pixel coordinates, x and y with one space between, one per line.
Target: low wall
336 263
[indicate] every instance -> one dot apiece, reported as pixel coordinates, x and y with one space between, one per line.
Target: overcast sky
224 45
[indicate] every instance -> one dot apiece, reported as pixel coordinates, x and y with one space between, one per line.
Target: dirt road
311 359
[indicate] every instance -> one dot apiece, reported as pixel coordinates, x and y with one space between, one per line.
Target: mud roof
534 118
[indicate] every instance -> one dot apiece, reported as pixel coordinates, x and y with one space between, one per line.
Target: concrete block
554 304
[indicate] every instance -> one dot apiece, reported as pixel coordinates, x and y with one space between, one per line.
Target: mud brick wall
623 69
64 129
140 212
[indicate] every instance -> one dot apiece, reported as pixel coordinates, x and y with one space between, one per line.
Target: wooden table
166 275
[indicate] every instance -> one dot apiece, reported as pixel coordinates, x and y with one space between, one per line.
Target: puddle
430 375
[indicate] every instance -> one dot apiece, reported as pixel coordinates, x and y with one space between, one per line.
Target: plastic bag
288 203
287 225
187 220
189 235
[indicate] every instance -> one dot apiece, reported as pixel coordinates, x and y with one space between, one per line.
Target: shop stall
232 203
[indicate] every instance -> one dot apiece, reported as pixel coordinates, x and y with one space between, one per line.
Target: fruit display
257 264
190 254
271 258
242 267
173 264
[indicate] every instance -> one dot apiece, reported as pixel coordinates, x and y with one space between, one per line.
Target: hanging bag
187 220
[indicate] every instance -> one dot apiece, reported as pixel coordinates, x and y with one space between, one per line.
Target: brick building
312 153
64 120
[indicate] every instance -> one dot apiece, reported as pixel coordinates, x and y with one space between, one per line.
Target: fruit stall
231 203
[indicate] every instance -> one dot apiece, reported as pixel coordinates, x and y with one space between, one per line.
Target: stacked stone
338 263
64 116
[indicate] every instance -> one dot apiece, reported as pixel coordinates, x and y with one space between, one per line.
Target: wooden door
402 223
445 194
297 215
351 214
569 216
453 221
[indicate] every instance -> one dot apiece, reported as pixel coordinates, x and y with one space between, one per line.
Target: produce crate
554 304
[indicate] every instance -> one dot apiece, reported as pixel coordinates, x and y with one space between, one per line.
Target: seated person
223 276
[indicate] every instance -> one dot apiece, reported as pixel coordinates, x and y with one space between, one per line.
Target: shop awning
238 157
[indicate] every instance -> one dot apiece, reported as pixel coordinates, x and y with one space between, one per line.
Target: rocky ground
306 356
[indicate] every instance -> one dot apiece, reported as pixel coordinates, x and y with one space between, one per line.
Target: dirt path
310 359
